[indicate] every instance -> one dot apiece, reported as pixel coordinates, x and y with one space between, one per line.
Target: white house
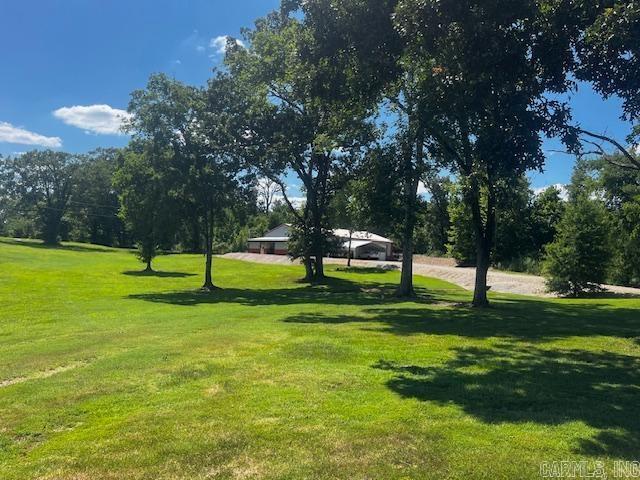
364 245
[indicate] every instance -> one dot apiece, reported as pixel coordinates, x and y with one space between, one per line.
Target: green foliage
39 185
379 192
462 245
301 118
515 234
93 213
145 205
609 52
514 224
547 210
432 231
625 268
620 189
576 262
197 130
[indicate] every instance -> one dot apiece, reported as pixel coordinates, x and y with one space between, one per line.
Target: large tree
302 122
200 128
360 38
486 107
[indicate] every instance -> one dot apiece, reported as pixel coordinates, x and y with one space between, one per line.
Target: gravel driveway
438 268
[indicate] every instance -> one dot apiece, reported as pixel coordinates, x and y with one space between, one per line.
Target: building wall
373 250
273 248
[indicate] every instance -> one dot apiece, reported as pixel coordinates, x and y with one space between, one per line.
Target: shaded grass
143 376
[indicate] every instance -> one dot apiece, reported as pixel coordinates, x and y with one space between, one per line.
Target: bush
576 261
525 264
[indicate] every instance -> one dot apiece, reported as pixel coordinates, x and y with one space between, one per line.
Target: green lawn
106 373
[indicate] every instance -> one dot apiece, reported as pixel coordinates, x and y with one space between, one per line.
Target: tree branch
628 155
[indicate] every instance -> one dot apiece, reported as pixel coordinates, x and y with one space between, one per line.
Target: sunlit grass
105 373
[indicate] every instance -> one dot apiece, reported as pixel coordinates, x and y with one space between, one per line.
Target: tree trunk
319 261
480 299
208 277
318 244
148 269
349 250
405 289
308 267
51 229
484 241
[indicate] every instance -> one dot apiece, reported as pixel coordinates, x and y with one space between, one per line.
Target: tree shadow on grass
367 269
145 273
523 319
514 384
333 291
60 246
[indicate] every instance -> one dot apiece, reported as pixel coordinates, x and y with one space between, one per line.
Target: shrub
576 261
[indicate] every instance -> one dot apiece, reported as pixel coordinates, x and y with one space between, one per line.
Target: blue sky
68 67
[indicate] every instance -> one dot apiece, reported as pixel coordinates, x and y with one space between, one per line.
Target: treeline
372 98
57 196
580 236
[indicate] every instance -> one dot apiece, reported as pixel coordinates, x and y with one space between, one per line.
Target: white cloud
11 134
200 48
101 119
564 193
219 44
297 202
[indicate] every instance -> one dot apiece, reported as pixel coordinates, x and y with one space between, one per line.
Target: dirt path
464 277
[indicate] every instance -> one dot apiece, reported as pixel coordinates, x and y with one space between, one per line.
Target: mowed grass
109 374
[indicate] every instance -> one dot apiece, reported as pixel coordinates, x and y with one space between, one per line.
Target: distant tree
435 220
514 225
547 210
379 192
266 190
577 260
619 187
94 206
41 184
626 262
280 213
461 241
145 205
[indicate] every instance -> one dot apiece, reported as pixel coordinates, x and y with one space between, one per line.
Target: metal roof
341 233
357 244
269 239
372 237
